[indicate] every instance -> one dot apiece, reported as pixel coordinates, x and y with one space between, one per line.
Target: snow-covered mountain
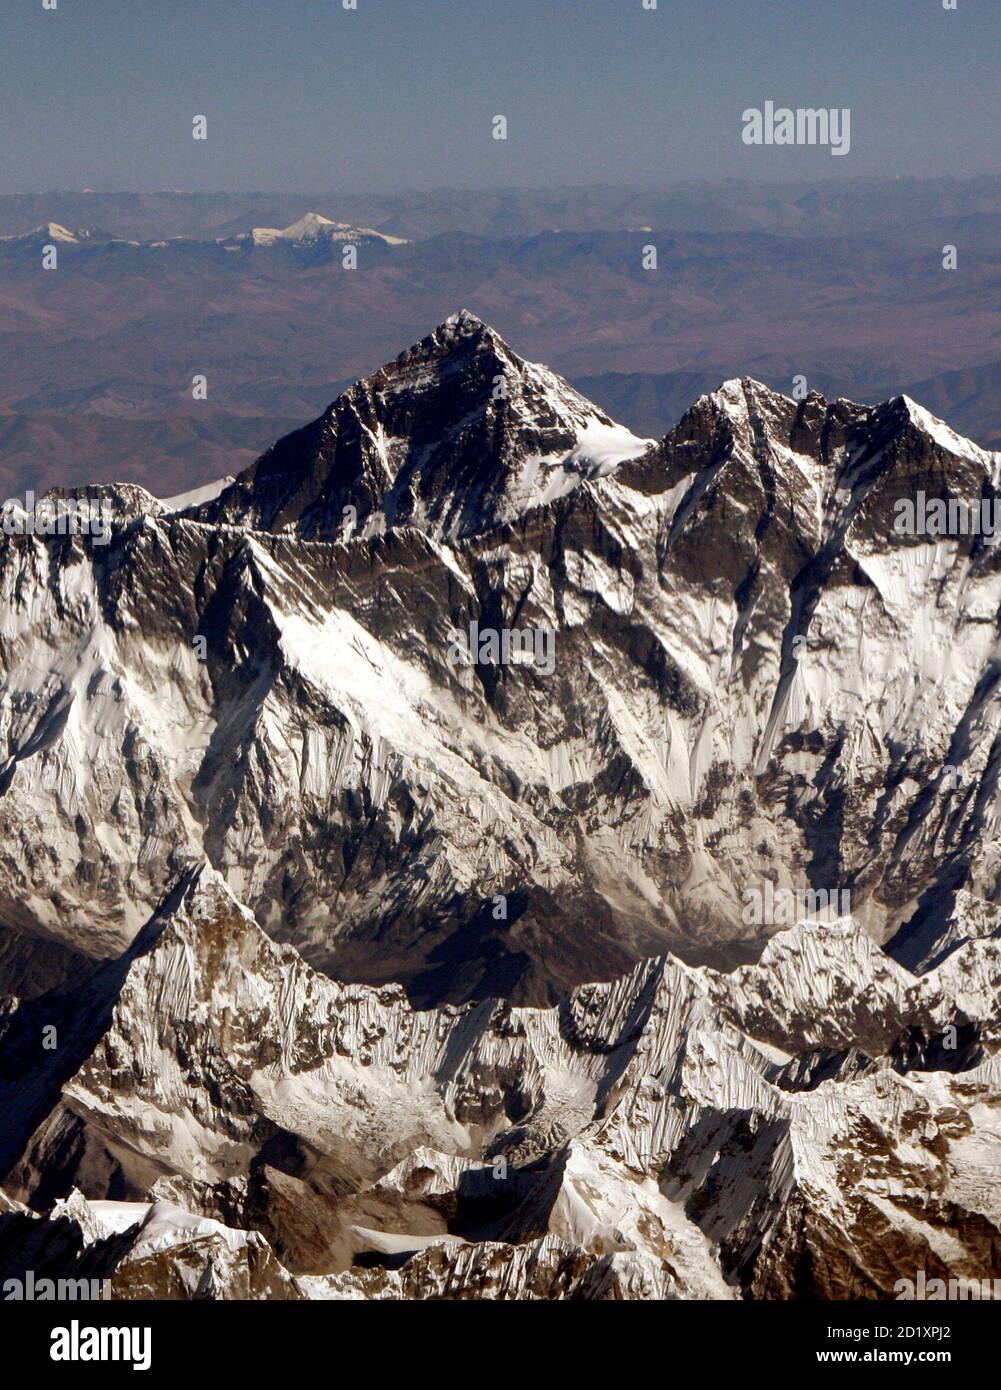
465 693
455 437
49 231
309 239
220 1121
312 229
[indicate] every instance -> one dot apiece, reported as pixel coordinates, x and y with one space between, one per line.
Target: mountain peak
457 337
58 232
308 225
465 323
454 437
745 390
314 229
457 340
749 405
941 433
51 231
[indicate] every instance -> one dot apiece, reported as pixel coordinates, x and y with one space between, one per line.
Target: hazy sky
400 94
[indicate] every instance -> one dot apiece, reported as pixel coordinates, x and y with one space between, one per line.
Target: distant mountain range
906 208
309 237
842 286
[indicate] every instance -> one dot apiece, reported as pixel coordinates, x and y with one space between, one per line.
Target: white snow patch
208 492
946 437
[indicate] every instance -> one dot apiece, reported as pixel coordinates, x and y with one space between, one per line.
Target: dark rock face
448 438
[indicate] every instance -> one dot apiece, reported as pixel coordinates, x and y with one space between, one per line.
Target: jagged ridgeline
462 694
464 686
219 1121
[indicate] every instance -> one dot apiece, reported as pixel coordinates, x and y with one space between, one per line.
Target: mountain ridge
701 1144
703 565
385 964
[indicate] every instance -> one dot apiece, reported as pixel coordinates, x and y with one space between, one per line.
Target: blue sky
400 94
